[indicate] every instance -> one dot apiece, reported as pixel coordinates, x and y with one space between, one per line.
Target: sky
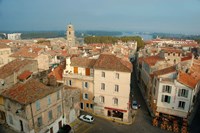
168 16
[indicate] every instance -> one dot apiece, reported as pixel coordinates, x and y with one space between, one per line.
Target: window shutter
83 85
163 88
87 84
162 99
179 92
83 95
170 89
169 99
186 93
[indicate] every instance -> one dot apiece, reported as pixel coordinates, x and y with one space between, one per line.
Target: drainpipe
32 116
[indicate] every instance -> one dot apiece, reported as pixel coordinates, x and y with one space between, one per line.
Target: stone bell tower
70 36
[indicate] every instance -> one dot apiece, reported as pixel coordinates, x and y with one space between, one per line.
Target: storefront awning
120 110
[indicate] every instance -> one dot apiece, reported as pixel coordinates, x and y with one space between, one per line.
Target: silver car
134 105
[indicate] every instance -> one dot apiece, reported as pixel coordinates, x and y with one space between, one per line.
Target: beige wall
43 62
79 83
109 93
30 110
4 56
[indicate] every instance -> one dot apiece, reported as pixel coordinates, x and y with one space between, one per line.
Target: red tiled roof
190 45
24 75
171 50
2 46
83 62
165 71
5 41
152 60
13 66
189 57
57 73
187 79
28 92
27 52
111 62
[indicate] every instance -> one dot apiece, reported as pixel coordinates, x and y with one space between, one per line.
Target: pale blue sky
174 16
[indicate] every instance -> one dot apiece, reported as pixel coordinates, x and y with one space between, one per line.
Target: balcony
78 76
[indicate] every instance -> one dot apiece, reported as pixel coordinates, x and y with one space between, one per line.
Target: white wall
172 107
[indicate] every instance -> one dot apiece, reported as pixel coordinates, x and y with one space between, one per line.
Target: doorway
21 125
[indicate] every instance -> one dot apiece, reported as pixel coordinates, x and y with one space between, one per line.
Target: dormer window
24 76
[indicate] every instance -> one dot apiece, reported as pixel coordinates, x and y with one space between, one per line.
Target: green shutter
168 99
186 93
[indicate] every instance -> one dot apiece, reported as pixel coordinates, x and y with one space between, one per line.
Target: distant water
145 36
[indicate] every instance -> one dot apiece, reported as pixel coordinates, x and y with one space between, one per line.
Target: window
183 93
59 110
69 83
167 88
116 88
49 100
85 84
85 96
181 104
37 105
117 75
58 95
102 99
165 98
10 119
87 105
103 74
102 86
39 121
50 115
91 106
115 101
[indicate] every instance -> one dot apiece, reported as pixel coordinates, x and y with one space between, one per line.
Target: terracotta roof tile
57 73
188 57
2 46
28 92
152 60
83 62
171 50
27 52
24 75
5 41
165 71
111 62
187 79
13 66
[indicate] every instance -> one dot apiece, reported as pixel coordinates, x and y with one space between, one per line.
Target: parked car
65 129
135 105
87 118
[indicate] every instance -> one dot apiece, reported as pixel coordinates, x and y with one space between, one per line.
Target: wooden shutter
186 93
163 98
75 69
168 100
179 92
87 71
163 90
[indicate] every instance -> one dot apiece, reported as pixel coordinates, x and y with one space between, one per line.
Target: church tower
70 36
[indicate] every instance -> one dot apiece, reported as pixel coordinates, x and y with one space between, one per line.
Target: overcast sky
171 16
